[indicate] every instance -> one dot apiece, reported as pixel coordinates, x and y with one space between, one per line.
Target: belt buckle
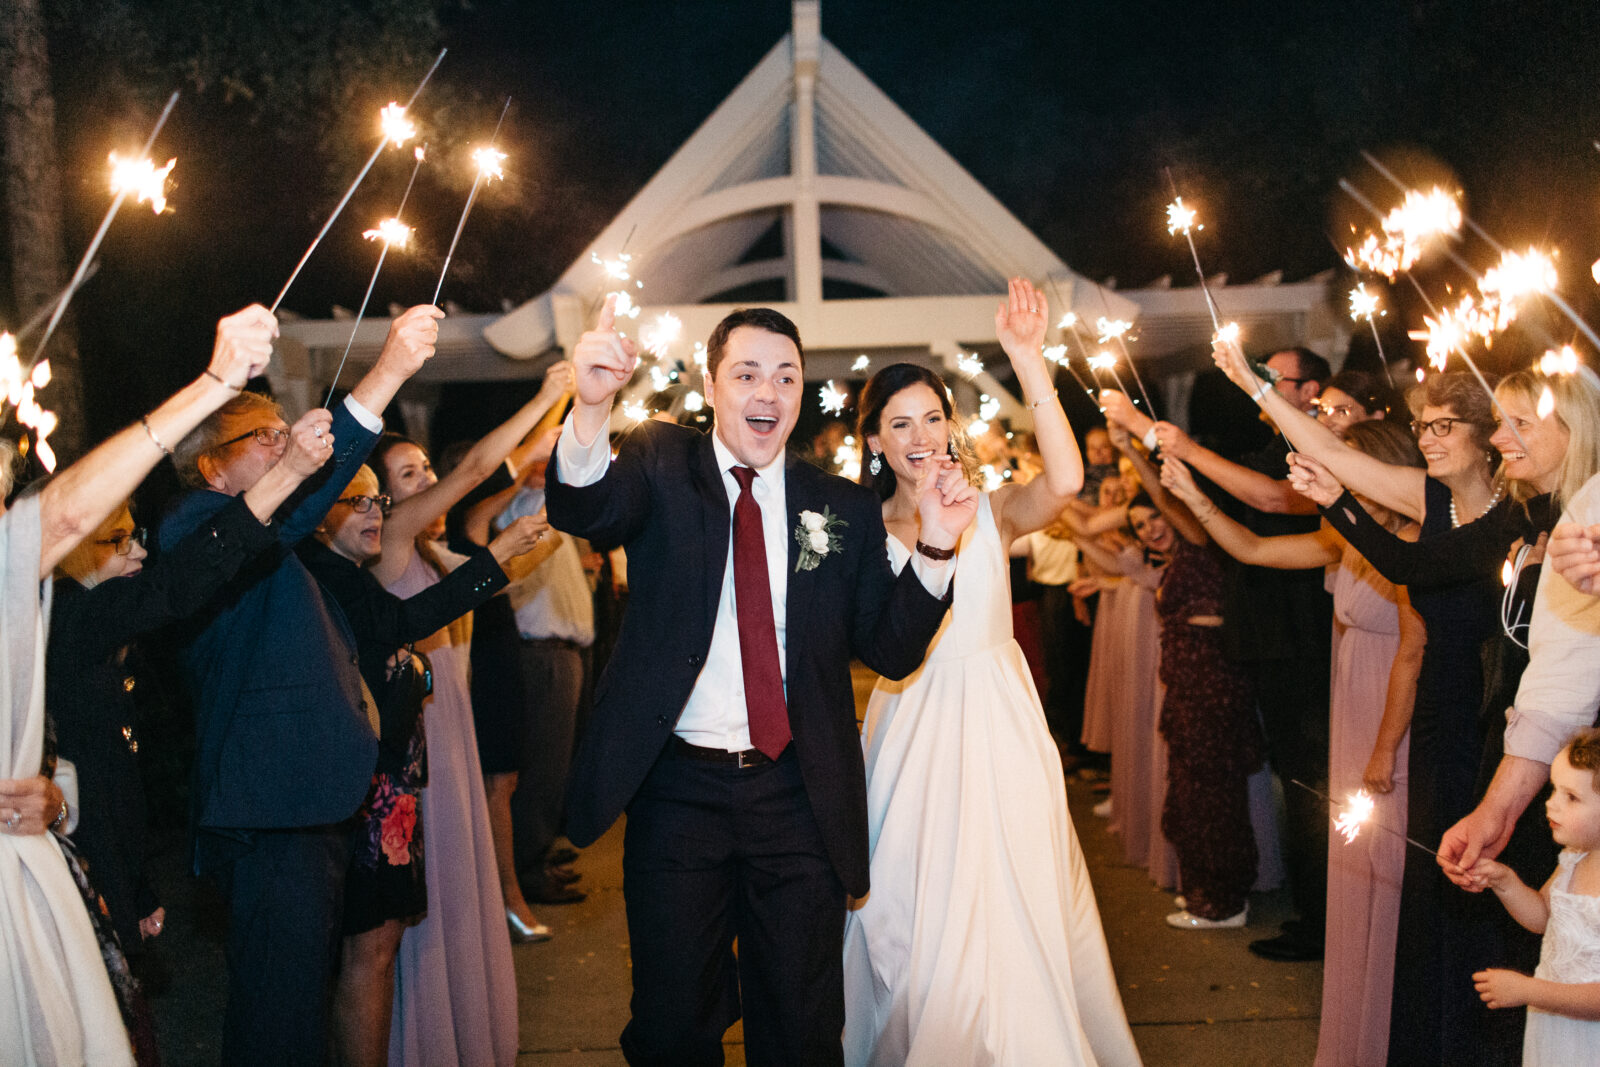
740 758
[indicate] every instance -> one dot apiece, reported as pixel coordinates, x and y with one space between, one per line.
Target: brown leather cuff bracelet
940 554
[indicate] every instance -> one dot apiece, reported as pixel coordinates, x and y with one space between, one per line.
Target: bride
980 941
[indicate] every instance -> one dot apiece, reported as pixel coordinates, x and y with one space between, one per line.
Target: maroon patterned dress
1213 740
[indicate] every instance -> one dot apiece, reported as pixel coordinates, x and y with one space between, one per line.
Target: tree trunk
34 208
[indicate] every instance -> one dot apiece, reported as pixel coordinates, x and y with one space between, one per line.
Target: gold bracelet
1044 400
145 422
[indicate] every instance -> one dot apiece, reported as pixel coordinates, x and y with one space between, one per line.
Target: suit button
661 720
355 659
694 661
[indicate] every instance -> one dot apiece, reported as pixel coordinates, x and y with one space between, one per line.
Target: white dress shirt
716 716
554 600
1560 690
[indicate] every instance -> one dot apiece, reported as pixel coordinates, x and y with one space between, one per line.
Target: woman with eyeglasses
1474 522
385 890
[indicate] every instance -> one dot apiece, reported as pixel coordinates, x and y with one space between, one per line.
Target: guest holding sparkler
1563 994
285 746
1377 650
456 988
1207 715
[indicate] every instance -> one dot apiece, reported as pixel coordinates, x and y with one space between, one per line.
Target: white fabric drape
56 1004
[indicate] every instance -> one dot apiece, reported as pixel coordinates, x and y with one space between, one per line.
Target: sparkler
397 129
969 364
1068 326
17 389
1117 329
861 364
1107 362
488 161
659 338
394 234
635 411
1450 331
143 179
832 398
1364 305
1358 812
122 192
693 401
1182 219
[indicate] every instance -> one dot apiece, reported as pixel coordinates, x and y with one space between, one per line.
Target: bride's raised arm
1020 324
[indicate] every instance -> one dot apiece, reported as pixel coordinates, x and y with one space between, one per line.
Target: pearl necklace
1455 520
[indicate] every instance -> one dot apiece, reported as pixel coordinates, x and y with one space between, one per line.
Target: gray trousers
553 686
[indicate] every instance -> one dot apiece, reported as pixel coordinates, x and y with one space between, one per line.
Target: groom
725 723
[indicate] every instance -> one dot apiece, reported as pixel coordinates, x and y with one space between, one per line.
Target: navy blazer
282 737
663 497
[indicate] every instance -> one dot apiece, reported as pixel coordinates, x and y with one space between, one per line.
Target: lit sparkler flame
1507 572
397 128
1547 403
616 267
659 337
969 364
18 391
1559 361
1517 276
420 152
1406 231
659 379
1068 321
1056 354
391 232
988 407
1453 328
1180 219
635 411
142 179
1229 332
1363 305
1110 329
832 398
693 401
861 364
625 307
1358 809
1102 361
488 161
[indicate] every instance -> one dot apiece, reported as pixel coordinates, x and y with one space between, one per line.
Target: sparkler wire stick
1389 829
421 155
348 193
46 308
473 195
1071 332
1211 305
81 274
1150 408
1384 359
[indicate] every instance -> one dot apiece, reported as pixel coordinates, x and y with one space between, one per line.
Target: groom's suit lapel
716 526
802 490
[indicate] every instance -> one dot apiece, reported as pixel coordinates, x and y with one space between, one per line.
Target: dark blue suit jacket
664 498
283 739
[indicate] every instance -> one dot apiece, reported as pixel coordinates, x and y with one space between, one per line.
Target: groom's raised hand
603 361
947 504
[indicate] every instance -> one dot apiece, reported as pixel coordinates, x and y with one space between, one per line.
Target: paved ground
1194 999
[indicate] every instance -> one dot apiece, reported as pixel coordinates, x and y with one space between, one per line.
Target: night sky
1067 113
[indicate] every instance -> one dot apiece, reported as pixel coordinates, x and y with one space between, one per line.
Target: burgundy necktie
758 636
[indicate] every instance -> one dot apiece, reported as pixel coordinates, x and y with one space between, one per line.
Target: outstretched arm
1399 489
1020 509
1252 487
1181 517
1285 552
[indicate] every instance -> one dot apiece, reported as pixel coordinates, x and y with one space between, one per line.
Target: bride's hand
946 504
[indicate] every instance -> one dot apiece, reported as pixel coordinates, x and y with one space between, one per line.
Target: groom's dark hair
761 319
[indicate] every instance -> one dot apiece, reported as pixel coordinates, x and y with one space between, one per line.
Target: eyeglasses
122 543
363 504
1440 427
267 436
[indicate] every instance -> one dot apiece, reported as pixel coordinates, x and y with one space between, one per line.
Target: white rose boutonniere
818 537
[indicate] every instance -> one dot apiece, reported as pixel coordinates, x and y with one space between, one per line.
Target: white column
805 230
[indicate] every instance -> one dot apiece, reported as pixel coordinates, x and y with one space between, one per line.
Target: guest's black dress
386 879
1453 576
89 694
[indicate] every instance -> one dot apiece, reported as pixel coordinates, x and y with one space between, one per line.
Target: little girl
1563 996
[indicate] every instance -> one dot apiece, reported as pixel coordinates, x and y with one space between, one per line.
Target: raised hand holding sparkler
603 362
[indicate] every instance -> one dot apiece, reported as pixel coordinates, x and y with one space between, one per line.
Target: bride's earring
950 447
876 465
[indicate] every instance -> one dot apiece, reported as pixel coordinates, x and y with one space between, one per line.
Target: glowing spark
700 356
660 380
615 268
1102 361
1406 231
420 152
1358 809
1111 328
1453 329
1559 361
1229 332
488 162
1594 270
832 398
391 232
662 335
1363 305
969 364
693 401
625 308
1547 403
1421 375
1070 319
1056 354
142 179
41 374
1180 219
18 390
397 128
1506 570
861 364
1516 277
635 411
988 407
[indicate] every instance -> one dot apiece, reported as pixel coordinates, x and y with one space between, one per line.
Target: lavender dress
455 987
1363 875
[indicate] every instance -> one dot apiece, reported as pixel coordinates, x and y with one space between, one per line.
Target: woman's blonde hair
81 563
1577 405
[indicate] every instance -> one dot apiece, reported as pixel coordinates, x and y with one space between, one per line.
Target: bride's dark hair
875 397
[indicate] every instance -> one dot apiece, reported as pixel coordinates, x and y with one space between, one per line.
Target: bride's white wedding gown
980 941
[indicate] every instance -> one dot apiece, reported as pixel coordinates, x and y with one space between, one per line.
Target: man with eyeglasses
1278 624
286 748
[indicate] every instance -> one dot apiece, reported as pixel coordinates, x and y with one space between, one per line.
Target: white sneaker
1183 920
1103 809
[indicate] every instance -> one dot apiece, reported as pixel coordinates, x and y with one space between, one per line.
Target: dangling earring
950 447
876 465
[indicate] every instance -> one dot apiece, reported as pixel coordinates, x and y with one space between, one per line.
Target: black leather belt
750 757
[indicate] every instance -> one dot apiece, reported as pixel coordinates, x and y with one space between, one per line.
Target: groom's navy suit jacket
664 499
